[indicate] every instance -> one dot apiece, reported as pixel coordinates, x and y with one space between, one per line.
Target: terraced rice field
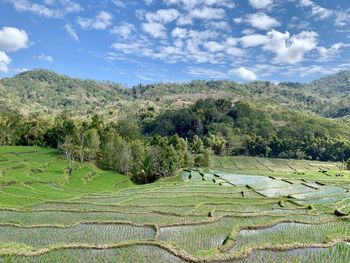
240 210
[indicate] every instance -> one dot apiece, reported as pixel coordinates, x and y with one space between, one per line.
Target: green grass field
242 209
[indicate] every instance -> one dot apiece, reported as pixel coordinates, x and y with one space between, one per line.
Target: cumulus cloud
70 30
124 30
186 45
179 32
214 46
208 13
163 16
4 62
260 4
101 21
253 40
288 49
50 9
218 25
291 49
244 74
259 20
155 29
44 57
13 39
200 9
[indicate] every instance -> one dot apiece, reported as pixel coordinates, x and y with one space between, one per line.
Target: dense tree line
118 146
154 146
244 128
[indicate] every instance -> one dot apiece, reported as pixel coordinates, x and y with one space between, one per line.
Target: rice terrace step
216 214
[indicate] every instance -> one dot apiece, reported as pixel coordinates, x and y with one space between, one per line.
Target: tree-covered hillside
49 92
336 91
45 91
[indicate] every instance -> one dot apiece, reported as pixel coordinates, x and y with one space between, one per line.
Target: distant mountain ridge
49 92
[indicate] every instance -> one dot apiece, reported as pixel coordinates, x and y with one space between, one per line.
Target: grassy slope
30 175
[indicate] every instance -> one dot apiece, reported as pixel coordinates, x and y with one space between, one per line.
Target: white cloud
214 46
342 18
244 73
50 9
124 30
218 25
163 16
4 62
231 41
311 70
260 4
326 54
184 20
303 71
13 39
248 31
297 23
291 49
317 11
190 4
45 57
156 30
227 47
101 21
288 49
208 13
179 32
259 20
235 51
206 73
70 30
186 46
135 47
253 40
119 3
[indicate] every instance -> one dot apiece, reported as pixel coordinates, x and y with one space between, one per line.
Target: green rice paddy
242 209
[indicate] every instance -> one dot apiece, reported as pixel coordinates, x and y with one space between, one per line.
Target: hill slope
43 90
46 91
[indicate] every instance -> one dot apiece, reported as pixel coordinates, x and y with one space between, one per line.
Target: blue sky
147 41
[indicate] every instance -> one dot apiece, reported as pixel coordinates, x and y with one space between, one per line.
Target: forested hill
49 92
329 96
337 89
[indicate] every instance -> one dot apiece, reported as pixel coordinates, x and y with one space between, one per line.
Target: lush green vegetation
154 140
151 148
243 128
92 171
223 212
